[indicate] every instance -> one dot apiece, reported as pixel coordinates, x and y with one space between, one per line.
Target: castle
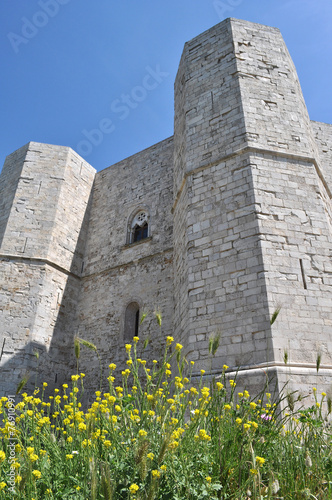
215 227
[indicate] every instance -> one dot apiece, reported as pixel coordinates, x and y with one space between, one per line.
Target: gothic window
131 322
139 227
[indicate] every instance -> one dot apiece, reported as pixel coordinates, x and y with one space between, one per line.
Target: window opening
303 275
3 346
139 227
131 322
136 323
140 232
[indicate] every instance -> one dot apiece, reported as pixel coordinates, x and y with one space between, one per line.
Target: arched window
131 322
138 228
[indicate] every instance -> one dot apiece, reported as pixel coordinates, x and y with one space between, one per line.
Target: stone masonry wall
219 273
293 200
322 133
117 273
296 246
241 263
9 180
40 253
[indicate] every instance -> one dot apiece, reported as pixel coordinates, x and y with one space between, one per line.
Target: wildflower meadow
157 435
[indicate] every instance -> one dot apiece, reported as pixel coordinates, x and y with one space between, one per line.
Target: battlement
215 227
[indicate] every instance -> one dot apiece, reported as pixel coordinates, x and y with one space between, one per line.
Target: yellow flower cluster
260 461
202 436
133 488
149 418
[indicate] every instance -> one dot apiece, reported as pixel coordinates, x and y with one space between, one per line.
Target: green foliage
318 361
275 315
158 436
214 342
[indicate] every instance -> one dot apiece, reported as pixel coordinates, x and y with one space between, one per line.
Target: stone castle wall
43 234
223 276
240 223
117 273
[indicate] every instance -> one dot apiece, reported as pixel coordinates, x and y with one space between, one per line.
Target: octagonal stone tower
252 210
44 198
239 214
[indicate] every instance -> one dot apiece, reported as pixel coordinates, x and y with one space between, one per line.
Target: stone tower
44 198
252 208
237 207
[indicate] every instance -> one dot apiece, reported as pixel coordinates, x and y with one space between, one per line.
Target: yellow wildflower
133 488
260 461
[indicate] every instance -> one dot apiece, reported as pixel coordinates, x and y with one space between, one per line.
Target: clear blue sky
67 65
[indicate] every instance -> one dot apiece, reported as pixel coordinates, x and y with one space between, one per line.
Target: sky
98 75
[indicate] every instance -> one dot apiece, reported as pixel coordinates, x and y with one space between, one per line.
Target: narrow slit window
131 322
303 275
136 323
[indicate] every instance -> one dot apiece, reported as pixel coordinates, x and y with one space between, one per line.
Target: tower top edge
43 147
231 21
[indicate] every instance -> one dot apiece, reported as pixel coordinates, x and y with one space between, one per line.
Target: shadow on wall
34 361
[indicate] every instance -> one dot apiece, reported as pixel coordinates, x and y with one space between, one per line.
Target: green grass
156 436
